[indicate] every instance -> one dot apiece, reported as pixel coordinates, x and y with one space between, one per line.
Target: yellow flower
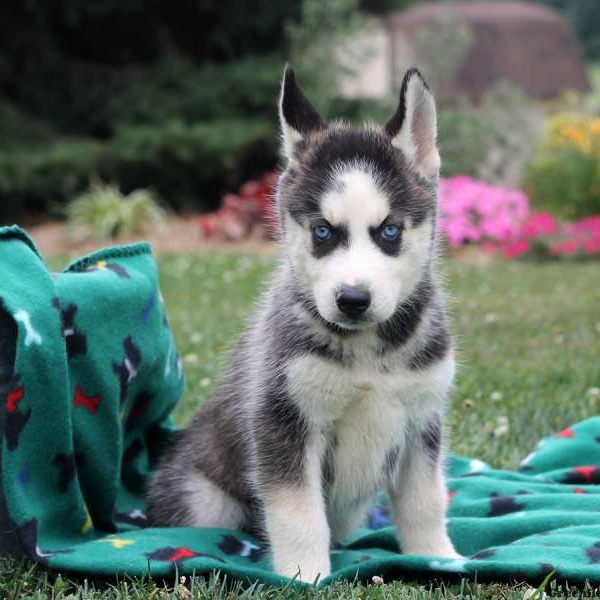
595 127
571 132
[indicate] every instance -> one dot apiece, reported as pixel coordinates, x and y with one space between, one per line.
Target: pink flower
539 223
589 225
475 211
515 248
566 247
592 245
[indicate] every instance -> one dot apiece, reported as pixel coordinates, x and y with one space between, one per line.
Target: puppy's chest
328 393
362 415
362 447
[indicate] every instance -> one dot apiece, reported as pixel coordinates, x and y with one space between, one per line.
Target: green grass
529 346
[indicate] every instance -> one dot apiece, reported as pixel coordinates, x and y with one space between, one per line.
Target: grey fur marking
281 431
401 327
392 460
431 437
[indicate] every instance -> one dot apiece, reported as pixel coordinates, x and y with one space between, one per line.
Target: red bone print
181 553
587 472
565 433
13 398
90 402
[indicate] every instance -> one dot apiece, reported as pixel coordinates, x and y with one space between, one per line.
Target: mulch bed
180 235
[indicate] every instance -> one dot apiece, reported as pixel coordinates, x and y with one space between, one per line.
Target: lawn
529 347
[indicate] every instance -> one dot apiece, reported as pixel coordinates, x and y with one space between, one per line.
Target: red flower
253 189
209 225
241 215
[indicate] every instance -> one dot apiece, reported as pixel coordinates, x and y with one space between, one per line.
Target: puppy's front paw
308 571
437 547
449 552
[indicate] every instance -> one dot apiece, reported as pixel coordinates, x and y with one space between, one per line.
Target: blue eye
322 232
390 232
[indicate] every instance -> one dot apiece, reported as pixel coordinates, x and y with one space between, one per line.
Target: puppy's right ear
298 117
413 129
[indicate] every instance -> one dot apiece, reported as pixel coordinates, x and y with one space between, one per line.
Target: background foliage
585 19
137 91
181 96
564 178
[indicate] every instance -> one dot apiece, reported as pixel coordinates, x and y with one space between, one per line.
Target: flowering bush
475 211
242 215
575 131
543 236
565 175
499 218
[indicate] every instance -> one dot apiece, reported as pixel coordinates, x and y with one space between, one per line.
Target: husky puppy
338 385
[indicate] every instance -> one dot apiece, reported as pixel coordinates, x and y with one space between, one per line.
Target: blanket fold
89 375
87 387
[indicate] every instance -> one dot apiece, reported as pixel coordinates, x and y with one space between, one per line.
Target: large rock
528 45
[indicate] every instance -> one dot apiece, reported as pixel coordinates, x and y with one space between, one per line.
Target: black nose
353 300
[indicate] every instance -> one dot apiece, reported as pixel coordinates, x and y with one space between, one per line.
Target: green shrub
362 110
492 141
189 165
18 127
462 138
322 46
383 6
441 48
71 71
35 178
177 89
585 20
106 214
564 183
182 98
564 176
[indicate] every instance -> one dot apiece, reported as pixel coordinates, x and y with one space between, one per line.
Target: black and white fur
322 406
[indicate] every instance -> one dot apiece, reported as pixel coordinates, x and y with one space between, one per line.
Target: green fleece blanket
87 402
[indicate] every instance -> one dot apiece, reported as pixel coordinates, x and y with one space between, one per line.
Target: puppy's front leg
418 494
298 532
294 506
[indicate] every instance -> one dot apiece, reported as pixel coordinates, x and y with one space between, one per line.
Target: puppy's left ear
413 128
298 117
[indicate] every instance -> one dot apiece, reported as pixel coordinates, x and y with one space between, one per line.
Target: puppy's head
357 205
